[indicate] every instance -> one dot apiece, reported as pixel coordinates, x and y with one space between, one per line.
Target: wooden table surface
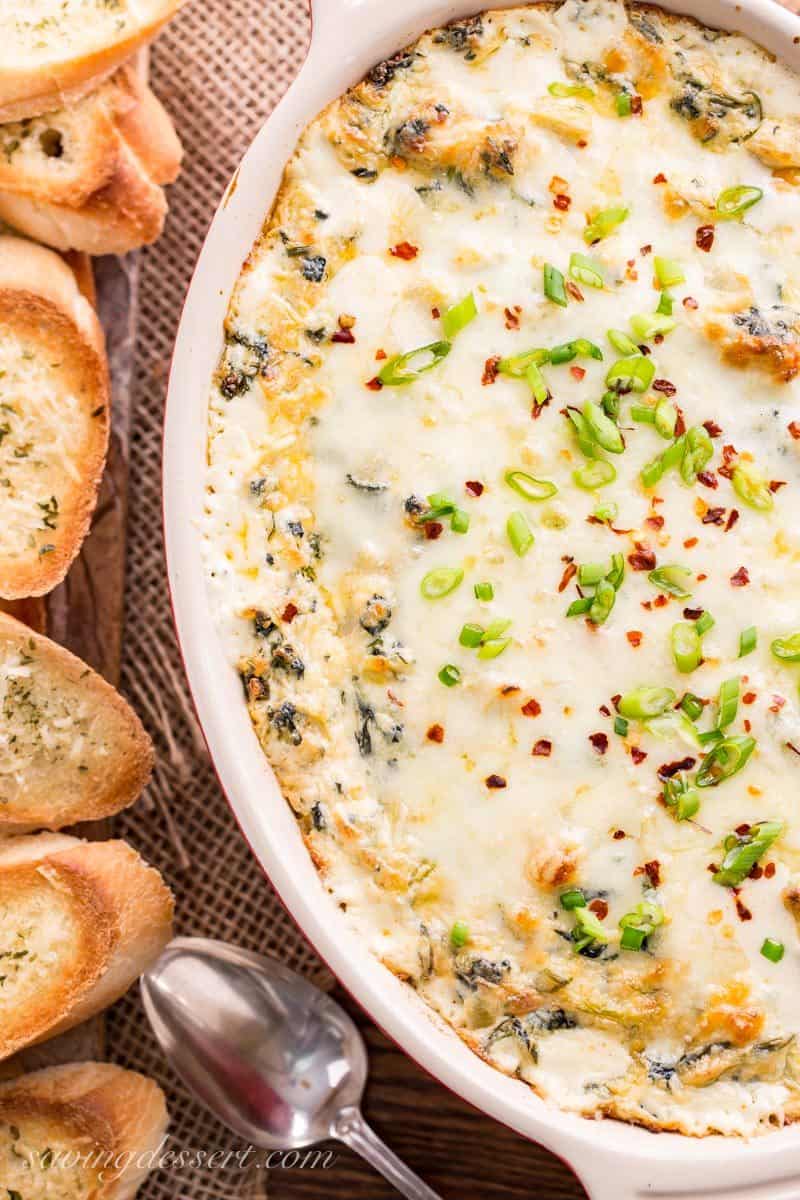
457 1151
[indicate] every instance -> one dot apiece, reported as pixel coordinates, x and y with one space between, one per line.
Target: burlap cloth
219 68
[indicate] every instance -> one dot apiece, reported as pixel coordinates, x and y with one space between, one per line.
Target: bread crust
121 908
94 1106
28 91
40 299
54 804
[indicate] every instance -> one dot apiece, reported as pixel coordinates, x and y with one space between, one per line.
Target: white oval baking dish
614 1161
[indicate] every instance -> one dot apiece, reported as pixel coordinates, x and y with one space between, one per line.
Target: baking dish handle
618 1177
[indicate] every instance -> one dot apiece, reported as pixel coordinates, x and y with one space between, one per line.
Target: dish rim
347 37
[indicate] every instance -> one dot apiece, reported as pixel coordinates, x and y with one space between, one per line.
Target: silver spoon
278 1061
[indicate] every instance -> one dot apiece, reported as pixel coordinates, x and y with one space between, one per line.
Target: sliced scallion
725 760
588 930
604 512
744 851
697 453
459 934
644 702
449 675
665 304
622 103
471 635
751 486
459 522
669 273
484 591
564 90
458 316
621 342
666 419
681 797
640 924
553 282
728 702
687 649
529 487
604 223
572 899
405 368
492 647
748 640
733 202
583 433
591 573
643 413
519 533
671 578
632 374
772 950
441 581
604 431
704 623
621 726
646 325
602 602
537 384
517 365
692 705
585 270
787 648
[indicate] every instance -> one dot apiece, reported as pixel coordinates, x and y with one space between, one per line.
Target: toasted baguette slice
87 1130
54 418
55 51
79 922
71 748
101 192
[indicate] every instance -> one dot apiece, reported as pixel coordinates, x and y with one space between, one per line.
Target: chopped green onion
640 924
583 433
441 501
734 201
562 354
497 627
586 349
643 413
645 702
692 705
604 431
458 316
697 453
459 934
441 581
744 851
622 103
602 602
653 471
449 675
471 635
605 512
617 573
585 270
519 533
621 726
459 522
537 384
402 369
681 797
604 223
672 578
665 304
574 898
711 737
787 648
517 364
704 623
554 285
529 487
493 646
669 273
687 649
673 724
596 474
751 486
579 607
647 325
632 374
666 418
588 930
728 702
725 760
621 342
772 950
484 591
563 90
591 573
632 939
748 640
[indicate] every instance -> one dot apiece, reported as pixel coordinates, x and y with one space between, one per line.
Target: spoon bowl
276 1059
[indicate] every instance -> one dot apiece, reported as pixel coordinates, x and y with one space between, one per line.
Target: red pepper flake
713 516
542 748
574 291
680 425
435 734
405 251
605 710
374 384
733 517
636 106
655 522
701 577
531 708
670 769
664 386
433 530
582 144
644 250
599 742
648 604
577 373
740 578
743 911
619 834
435 313
615 699
689 302
690 543
634 636
344 337
755 871
495 781
661 601
794 429
599 908
658 339
638 755
659 178
712 429
570 571
652 870
474 487
508 689
490 370
713 868
643 559
704 237
512 316
289 613
729 455
708 479
562 202
777 704
380 355
776 484
749 698
769 870
693 614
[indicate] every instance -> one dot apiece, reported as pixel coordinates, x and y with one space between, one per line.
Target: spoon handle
351 1128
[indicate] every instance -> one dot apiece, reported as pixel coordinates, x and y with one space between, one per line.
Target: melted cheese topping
450 820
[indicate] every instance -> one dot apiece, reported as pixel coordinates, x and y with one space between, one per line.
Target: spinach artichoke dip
502 531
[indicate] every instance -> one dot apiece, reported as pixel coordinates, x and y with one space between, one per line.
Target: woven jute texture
219 68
